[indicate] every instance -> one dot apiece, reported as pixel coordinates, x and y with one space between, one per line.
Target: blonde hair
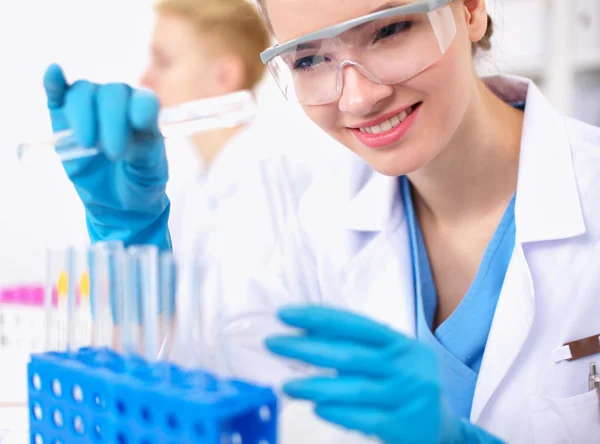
237 25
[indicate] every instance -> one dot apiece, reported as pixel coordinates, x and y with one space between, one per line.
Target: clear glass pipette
184 120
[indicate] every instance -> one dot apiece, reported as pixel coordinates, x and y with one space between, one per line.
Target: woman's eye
391 30
308 62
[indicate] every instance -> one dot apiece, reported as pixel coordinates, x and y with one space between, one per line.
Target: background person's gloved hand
387 385
123 188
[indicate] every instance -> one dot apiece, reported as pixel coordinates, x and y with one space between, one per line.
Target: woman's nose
359 93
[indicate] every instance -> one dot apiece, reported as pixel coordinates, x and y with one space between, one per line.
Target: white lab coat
226 214
355 255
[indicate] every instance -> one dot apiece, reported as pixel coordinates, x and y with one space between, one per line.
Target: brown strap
585 347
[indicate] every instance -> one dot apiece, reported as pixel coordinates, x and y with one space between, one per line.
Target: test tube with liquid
71 321
140 333
167 304
67 298
184 120
105 291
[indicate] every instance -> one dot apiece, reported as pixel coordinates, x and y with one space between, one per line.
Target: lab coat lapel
547 208
511 325
377 279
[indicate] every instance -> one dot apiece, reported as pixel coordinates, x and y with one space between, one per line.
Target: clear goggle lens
388 50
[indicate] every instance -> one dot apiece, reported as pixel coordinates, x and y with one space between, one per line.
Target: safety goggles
387 47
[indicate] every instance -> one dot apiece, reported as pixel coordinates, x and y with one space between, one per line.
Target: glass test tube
67 298
184 120
106 260
71 266
195 311
140 302
168 289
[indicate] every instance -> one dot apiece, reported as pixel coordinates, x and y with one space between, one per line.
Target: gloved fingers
370 421
333 323
389 426
80 115
56 88
115 133
148 155
55 85
143 111
344 356
80 111
404 425
350 391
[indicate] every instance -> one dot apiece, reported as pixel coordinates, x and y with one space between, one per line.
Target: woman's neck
208 145
477 172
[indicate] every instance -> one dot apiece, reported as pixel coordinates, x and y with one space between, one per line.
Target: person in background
202 49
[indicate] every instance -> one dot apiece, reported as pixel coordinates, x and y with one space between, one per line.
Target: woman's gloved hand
387 385
123 188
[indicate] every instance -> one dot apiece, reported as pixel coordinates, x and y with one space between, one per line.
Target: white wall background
105 40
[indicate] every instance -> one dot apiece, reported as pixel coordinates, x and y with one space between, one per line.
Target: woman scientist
462 229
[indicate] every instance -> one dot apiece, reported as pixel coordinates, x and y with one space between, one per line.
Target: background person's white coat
227 215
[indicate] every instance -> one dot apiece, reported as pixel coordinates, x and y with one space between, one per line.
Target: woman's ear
476 18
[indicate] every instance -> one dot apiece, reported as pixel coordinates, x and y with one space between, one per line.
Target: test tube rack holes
96 395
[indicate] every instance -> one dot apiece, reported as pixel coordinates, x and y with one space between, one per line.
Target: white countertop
14 415
13 377
14 425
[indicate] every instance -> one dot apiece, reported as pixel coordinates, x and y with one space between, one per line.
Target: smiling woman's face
423 112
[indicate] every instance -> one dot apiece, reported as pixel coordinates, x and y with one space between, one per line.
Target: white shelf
532 69
560 57
535 69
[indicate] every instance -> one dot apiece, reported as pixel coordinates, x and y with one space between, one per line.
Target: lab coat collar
547 205
355 197
373 206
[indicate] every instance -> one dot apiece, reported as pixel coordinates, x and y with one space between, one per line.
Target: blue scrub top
460 340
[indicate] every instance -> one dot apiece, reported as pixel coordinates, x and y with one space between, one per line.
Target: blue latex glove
122 189
387 385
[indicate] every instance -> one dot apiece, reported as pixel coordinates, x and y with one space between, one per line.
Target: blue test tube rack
96 395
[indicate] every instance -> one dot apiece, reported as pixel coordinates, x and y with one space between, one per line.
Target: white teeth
388 124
